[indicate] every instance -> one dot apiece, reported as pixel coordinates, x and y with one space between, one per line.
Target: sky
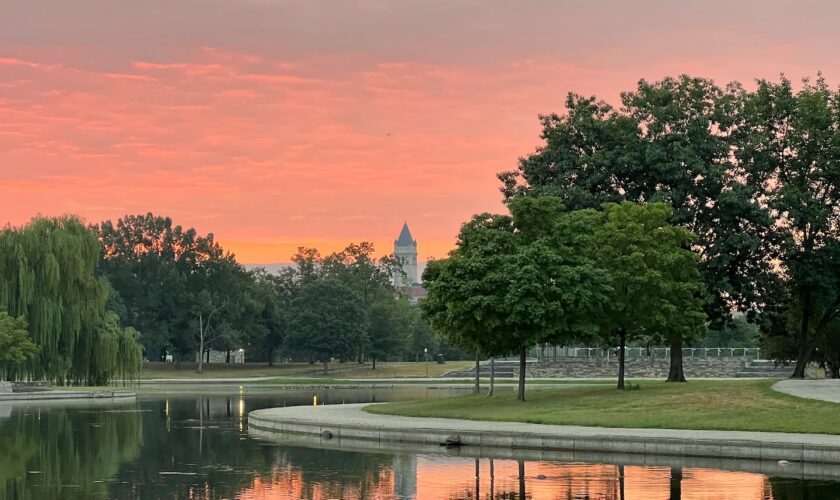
276 124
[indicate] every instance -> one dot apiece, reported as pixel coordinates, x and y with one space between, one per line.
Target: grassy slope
336 370
721 405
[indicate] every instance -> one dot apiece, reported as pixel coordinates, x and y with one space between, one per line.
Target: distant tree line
748 181
86 304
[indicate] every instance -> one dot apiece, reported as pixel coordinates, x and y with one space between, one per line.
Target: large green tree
159 270
511 283
326 320
48 277
670 142
655 287
788 148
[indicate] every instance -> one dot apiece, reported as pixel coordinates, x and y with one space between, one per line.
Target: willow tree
48 277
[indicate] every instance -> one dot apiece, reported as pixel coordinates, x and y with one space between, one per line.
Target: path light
426 360
315 400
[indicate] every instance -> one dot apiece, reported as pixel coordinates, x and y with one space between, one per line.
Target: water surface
185 445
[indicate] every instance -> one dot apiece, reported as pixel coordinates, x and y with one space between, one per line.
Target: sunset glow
276 124
455 478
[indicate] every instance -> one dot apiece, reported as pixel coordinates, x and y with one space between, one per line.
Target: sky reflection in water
187 446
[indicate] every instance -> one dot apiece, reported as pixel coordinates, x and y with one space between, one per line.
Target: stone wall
723 367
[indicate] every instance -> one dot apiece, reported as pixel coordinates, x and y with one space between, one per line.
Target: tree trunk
326 366
675 372
227 357
492 375
477 388
622 336
200 344
373 359
520 393
271 357
806 348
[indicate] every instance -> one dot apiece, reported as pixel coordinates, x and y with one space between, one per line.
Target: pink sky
275 124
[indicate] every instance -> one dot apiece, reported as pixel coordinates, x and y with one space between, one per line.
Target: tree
48 276
223 300
16 348
373 280
788 148
266 320
326 320
511 283
153 266
387 328
671 142
655 287
421 336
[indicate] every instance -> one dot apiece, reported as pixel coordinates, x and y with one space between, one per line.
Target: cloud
248 123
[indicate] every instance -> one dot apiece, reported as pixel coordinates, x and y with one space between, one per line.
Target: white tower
405 250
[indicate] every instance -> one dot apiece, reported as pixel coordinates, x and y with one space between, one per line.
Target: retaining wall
723 367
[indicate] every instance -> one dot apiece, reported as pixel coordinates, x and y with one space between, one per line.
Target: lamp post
426 360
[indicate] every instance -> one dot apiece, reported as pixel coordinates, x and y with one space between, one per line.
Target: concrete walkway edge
351 422
63 396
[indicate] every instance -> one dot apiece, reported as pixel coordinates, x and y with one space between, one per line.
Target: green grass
436 381
714 405
298 370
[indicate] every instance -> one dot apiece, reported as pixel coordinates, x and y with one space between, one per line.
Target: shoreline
16 397
340 422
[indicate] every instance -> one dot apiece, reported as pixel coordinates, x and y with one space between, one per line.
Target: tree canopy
48 276
512 283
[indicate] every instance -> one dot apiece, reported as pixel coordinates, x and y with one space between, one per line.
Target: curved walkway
824 390
350 422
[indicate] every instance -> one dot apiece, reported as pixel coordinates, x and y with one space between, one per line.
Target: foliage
788 147
511 283
671 142
740 332
158 269
48 276
655 287
16 347
389 318
326 320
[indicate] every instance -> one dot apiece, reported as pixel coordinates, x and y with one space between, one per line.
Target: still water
186 446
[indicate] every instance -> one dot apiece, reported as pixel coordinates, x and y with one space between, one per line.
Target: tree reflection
65 453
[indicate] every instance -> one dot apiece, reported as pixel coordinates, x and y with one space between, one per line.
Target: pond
182 444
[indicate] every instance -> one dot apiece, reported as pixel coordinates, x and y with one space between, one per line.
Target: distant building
405 250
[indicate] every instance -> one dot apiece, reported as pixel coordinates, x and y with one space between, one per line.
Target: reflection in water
197 447
53 453
455 478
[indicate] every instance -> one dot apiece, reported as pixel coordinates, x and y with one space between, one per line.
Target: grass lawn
748 405
296 370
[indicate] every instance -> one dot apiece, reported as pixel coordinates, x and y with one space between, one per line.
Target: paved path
824 390
353 415
350 422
